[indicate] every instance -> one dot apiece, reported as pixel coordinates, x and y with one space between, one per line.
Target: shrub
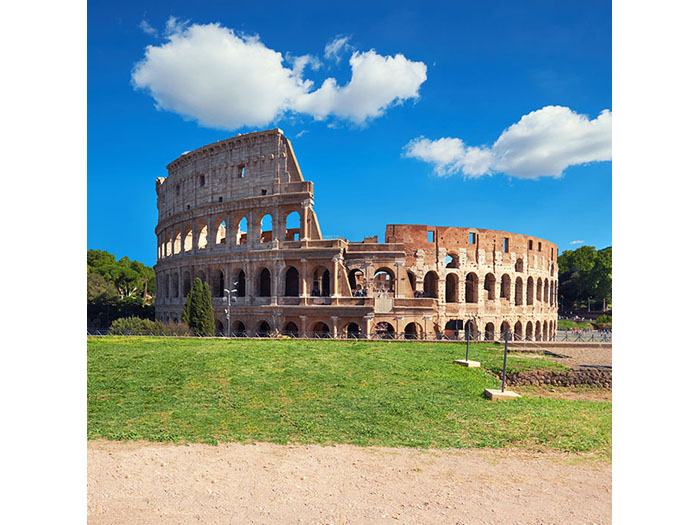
138 326
199 313
604 319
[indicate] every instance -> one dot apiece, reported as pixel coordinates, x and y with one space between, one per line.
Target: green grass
568 324
363 393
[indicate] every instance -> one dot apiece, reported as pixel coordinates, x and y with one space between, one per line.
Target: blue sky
486 66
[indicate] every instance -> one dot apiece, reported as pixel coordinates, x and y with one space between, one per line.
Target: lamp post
227 310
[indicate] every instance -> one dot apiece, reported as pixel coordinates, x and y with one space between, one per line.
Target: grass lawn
363 393
568 324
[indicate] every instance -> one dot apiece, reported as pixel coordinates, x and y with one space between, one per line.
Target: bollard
505 357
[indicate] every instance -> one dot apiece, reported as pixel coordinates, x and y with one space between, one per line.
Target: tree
199 312
100 289
585 273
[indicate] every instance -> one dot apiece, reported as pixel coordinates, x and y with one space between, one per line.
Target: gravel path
145 483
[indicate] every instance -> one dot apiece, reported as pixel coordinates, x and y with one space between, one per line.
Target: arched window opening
519 265
169 245
291 329
221 233
202 236
264 329
321 330
266 228
176 285
186 283
518 291
356 278
530 290
167 286
240 284
291 282
430 285
451 286
177 245
188 239
200 275
471 331
352 331
518 331
505 286
538 331
451 328
528 331
242 232
545 331
218 328
489 332
293 227
265 283
412 331
384 330
505 327
539 289
472 287
219 284
490 286
451 261
384 281
238 329
321 286
545 294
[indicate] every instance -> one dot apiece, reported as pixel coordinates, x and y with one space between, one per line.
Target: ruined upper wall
472 240
250 165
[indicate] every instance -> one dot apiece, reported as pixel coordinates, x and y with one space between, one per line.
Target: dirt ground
136 482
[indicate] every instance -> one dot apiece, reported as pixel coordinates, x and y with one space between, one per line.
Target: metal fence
560 336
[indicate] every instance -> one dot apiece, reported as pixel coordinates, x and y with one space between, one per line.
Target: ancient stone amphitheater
239 215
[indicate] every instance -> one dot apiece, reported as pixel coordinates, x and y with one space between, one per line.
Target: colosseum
239 215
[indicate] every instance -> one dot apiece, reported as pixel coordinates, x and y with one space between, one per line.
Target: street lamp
229 293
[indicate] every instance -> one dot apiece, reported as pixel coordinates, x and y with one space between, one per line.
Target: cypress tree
199 312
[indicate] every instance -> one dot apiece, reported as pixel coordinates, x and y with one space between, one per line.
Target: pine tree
199 312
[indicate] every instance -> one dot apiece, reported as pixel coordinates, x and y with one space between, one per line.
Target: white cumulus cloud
148 28
576 242
542 143
225 80
335 48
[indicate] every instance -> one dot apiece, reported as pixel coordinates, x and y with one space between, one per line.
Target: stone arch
240 284
471 294
320 329
292 231
188 239
505 286
452 260
539 289
384 330
384 280
538 331
356 278
218 284
430 284
168 244
266 228
291 282
519 265
166 279
264 329
352 331
221 232
202 236
321 282
264 283
218 328
471 330
518 291
505 327
530 290
201 276
291 329
175 278
413 331
186 283
518 331
238 329
545 331
451 288
411 280
490 286
177 243
528 331
242 232
545 293
489 332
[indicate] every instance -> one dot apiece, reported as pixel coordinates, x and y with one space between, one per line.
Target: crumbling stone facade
239 215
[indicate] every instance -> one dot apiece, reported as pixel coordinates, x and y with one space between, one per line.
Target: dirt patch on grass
135 482
572 393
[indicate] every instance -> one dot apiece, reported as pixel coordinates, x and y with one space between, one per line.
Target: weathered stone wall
577 377
225 215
